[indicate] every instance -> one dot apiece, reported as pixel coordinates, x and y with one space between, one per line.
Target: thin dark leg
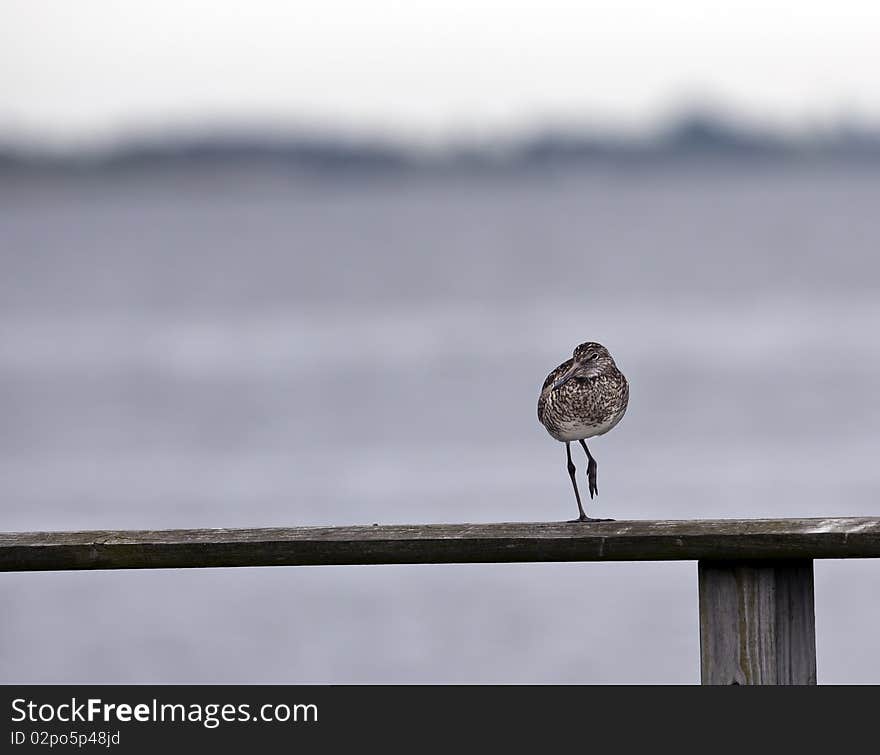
592 471
571 470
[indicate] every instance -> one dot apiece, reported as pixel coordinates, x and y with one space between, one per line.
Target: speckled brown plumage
584 396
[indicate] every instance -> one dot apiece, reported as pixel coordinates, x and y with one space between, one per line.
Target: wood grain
757 622
731 539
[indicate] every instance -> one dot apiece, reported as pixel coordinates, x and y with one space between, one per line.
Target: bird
583 397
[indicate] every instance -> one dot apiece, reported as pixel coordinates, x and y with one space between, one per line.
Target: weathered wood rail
722 539
757 621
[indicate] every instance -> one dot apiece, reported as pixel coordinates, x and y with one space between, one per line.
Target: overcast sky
429 68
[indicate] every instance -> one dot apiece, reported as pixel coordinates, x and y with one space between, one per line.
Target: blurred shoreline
691 140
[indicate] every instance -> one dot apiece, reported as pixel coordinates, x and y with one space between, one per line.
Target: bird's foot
592 475
585 518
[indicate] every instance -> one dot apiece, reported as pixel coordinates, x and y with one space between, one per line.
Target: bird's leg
571 470
592 468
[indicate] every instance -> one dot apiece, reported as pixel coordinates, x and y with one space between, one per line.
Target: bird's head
589 360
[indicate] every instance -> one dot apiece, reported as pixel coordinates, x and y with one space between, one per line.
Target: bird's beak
569 374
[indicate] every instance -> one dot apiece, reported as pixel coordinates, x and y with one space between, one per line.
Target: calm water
254 350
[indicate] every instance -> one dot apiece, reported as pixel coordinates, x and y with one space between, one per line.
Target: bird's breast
579 429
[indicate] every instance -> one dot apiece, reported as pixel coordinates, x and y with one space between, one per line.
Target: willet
583 397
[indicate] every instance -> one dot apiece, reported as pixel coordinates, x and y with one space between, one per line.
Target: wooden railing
756 605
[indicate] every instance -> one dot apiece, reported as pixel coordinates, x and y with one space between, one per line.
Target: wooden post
757 622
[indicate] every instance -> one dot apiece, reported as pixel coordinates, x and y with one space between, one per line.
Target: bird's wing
545 389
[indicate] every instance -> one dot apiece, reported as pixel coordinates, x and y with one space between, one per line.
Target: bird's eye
594 356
